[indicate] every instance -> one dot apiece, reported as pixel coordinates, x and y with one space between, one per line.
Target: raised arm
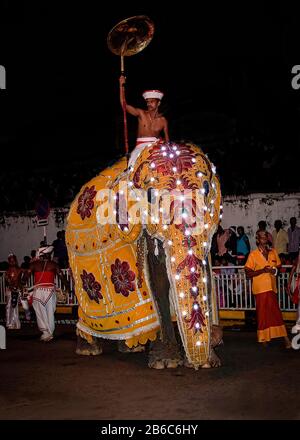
129 108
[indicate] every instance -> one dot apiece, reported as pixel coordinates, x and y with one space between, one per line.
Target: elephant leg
216 340
85 347
164 352
122 348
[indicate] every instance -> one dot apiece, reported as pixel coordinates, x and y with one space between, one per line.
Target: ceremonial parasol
127 38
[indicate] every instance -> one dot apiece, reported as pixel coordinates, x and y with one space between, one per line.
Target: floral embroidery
197 319
122 277
169 159
91 286
86 202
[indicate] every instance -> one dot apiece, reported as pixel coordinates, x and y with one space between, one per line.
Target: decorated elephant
138 240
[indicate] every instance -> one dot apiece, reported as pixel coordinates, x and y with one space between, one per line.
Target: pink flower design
122 277
86 202
91 286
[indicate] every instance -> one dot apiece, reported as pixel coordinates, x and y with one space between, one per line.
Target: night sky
225 69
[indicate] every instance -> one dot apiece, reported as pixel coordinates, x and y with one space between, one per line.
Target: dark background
225 69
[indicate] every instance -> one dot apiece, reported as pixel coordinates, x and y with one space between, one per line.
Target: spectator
33 255
243 246
294 239
227 272
296 292
280 239
262 266
262 226
60 252
26 262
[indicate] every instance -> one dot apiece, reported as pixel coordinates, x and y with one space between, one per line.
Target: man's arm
129 108
250 273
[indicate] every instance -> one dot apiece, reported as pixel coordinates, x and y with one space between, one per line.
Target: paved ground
49 381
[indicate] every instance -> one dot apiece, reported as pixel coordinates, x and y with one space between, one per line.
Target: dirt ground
49 381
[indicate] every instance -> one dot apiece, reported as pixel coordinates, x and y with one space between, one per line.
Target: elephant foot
84 348
164 356
122 348
213 361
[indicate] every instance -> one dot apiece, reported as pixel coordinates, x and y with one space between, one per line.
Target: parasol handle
124 108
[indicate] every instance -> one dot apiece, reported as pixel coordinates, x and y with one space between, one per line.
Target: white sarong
12 313
141 143
44 304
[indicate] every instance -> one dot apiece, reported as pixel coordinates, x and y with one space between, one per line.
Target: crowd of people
231 246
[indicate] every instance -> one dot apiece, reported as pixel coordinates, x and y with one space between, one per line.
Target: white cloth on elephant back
44 304
12 313
141 144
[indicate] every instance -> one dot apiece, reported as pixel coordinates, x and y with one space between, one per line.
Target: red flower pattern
197 318
165 157
86 202
91 286
122 277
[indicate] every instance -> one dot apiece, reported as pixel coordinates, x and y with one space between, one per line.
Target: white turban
156 94
44 250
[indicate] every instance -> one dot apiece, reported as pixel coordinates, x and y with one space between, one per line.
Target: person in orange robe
262 266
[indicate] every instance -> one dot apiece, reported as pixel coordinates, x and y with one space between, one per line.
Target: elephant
138 240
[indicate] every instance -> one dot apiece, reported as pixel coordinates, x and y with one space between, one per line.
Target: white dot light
163 148
171 156
164 153
126 229
152 179
206 226
221 215
193 269
221 206
165 227
204 298
184 313
198 343
193 160
181 294
115 197
177 152
173 259
204 262
204 279
174 169
195 307
190 251
197 325
202 190
178 182
170 242
204 243
152 165
199 174
130 183
206 313
187 232
177 276
194 288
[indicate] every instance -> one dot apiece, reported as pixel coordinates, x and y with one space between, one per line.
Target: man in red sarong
262 266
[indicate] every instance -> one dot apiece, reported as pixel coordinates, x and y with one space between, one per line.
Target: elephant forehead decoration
173 193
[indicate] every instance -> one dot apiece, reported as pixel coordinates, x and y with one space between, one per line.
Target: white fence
232 286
